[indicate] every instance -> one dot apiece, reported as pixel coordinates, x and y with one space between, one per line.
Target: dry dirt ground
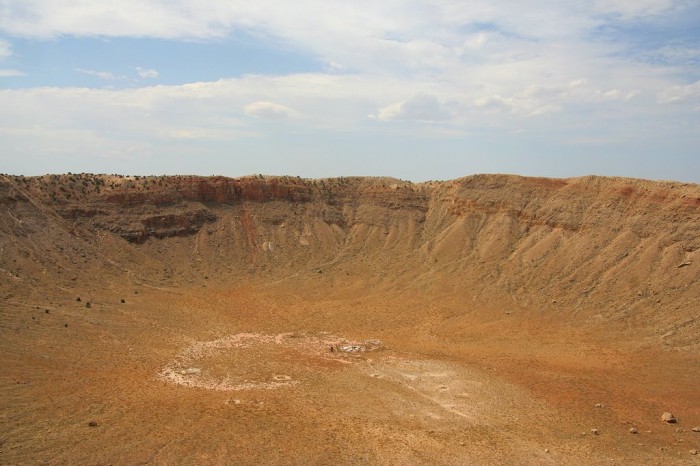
369 355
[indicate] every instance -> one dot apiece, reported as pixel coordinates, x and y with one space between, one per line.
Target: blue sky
413 89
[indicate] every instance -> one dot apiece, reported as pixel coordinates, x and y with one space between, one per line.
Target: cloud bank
545 75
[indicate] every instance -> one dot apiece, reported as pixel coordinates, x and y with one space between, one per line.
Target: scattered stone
65 325
696 429
123 301
668 418
594 431
92 423
633 430
693 452
352 348
88 305
47 311
78 299
372 345
599 405
546 450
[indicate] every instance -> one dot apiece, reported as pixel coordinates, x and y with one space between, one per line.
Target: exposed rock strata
610 247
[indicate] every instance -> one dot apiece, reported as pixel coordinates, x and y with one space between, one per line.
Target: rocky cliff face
598 246
139 208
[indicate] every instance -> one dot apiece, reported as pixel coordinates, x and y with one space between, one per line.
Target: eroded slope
506 308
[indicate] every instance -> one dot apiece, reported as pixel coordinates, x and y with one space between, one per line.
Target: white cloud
125 18
506 65
5 52
536 100
209 118
463 51
220 110
422 107
473 42
270 111
110 76
194 19
495 102
106 75
356 34
635 8
147 73
5 49
10 73
680 94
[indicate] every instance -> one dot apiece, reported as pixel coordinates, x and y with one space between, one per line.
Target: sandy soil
486 320
175 376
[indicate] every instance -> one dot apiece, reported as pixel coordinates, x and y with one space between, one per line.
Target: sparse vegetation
493 292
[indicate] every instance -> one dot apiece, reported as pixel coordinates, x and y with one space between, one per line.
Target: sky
417 90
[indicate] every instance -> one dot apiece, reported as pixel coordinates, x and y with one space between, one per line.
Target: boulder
668 418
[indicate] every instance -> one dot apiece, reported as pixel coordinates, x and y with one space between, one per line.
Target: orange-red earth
486 320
